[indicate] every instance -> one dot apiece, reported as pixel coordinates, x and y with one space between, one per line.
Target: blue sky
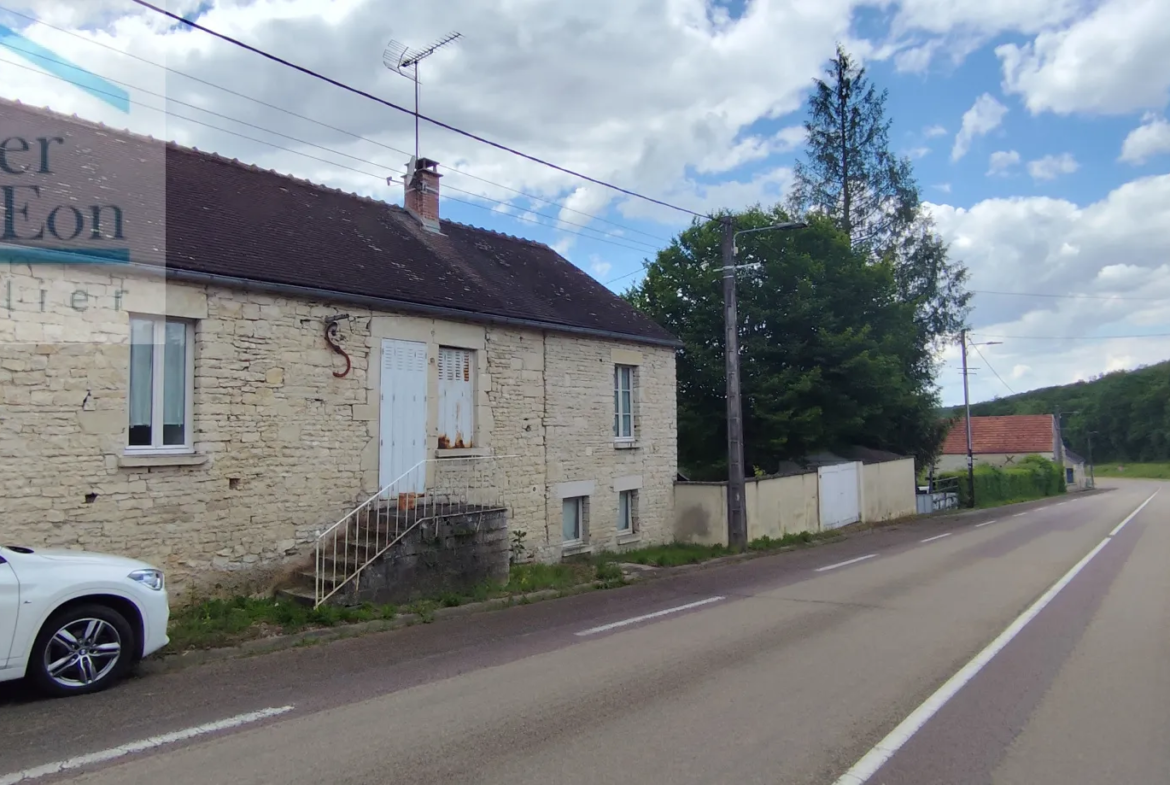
699 103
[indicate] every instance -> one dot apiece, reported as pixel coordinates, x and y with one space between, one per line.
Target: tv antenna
404 61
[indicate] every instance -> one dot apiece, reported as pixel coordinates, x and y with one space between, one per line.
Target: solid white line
1133 514
140 746
636 619
985 523
887 747
937 537
844 563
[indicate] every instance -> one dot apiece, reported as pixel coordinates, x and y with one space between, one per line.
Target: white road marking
1018 514
1061 504
636 619
844 563
985 523
140 746
1132 515
937 537
885 749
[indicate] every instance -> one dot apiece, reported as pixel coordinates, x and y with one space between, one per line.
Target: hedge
1033 478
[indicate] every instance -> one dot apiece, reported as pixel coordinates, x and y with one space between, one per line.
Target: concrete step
298 594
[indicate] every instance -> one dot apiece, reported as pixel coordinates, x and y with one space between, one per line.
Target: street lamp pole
736 478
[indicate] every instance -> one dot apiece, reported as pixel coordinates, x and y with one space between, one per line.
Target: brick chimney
422 193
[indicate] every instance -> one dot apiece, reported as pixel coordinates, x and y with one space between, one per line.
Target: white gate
402 415
839 489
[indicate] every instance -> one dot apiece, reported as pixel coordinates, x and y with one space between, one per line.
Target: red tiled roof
1017 433
225 218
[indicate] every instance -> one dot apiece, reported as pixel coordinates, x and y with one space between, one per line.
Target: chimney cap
426 163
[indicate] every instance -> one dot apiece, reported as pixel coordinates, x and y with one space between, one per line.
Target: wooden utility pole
967 414
736 518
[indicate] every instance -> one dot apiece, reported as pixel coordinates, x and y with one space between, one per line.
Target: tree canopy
850 175
829 356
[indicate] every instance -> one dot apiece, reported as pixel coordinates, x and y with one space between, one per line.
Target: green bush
1032 478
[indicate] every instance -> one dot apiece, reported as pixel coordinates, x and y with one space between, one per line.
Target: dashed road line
844 563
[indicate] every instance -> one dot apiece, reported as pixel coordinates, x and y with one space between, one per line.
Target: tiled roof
229 219
1019 433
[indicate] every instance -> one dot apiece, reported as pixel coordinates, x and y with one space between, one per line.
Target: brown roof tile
1019 433
229 219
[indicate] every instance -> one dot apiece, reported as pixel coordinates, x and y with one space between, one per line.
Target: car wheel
83 649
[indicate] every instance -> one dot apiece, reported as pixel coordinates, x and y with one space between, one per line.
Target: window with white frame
623 403
456 398
627 512
161 384
574 510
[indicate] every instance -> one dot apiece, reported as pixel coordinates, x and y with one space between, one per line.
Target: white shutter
456 398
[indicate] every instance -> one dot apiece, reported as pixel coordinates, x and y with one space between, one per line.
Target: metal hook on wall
333 338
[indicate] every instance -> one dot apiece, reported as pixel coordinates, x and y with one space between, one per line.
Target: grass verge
1140 471
216 623
677 554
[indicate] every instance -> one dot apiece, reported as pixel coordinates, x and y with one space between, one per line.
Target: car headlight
150 578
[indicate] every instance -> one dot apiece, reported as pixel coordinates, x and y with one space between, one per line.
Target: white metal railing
429 490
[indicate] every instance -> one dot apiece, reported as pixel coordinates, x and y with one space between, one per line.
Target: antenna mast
404 61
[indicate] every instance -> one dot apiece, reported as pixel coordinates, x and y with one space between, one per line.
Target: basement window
573 520
161 388
627 512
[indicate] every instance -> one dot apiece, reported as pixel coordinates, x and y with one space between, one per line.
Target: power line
396 107
1071 296
1074 337
975 346
450 169
337 152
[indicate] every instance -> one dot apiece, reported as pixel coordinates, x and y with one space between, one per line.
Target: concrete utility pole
1092 474
1058 452
967 414
737 533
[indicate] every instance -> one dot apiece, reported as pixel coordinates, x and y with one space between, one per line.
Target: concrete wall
700 513
283 448
782 505
888 490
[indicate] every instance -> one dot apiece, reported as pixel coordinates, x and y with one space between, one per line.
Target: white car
76 622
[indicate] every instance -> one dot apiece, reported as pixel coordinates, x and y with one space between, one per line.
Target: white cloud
1002 161
944 187
918 152
1149 139
705 81
1112 61
984 116
599 267
1052 166
1112 252
934 131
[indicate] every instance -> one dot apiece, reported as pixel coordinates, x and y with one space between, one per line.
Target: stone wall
456 553
282 447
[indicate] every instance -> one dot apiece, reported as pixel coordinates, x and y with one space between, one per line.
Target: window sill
466 452
629 538
576 548
625 444
147 460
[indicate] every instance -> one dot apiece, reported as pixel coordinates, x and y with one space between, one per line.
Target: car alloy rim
82 652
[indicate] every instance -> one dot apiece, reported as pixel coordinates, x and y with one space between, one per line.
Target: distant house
1006 440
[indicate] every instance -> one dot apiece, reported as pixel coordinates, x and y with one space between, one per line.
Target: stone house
221 361
1004 440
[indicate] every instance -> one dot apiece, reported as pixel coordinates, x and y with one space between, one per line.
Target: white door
839 489
9 602
403 415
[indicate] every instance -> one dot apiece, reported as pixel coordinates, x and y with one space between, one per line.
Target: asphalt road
775 670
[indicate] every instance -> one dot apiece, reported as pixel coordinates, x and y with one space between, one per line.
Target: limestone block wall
282 447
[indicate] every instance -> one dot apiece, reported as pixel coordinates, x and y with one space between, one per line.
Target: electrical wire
450 169
1071 296
438 123
997 376
337 152
1074 337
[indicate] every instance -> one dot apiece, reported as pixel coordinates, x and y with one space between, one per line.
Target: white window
573 511
161 384
623 402
627 511
456 398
